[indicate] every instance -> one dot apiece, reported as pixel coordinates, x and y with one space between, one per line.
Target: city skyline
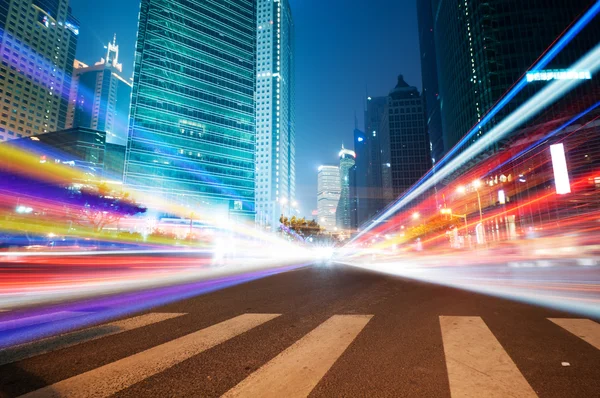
325 60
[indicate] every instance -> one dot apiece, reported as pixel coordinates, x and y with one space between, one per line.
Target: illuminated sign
501 197
559 165
558 74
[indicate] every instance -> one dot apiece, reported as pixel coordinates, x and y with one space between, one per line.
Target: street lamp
477 185
416 215
283 202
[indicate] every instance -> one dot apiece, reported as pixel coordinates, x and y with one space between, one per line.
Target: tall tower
410 156
100 96
192 124
344 209
430 78
328 196
275 127
38 39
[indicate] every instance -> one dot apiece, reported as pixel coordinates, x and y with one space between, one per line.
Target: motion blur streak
549 55
550 94
564 286
98 310
37 278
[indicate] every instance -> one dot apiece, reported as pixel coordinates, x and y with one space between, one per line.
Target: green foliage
301 226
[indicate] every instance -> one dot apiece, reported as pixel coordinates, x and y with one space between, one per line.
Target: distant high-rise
359 190
192 124
343 213
376 144
275 126
430 78
484 47
410 157
328 196
38 39
100 96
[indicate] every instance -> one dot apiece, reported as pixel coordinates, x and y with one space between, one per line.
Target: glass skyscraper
484 47
275 127
343 213
100 97
192 124
328 195
38 39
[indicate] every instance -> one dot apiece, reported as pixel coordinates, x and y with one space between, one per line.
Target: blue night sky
343 48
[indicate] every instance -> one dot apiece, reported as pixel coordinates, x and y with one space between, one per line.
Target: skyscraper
275 129
410 157
328 196
484 47
192 125
343 213
38 39
100 96
430 78
359 190
375 139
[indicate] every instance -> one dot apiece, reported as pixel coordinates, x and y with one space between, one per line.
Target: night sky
344 49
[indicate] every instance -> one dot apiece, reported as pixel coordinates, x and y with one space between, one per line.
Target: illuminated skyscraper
275 130
484 47
343 213
38 39
328 196
100 96
192 125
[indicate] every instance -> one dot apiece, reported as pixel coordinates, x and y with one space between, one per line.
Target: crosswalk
477 364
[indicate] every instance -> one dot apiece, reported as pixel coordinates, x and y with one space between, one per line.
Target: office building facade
359 190
84 148
275 126
430 78
192 119
38 39
377 144
100 96
410 156
328 196
344 209
484 47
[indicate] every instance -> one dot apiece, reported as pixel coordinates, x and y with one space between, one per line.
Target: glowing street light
476 184
461 189
416 215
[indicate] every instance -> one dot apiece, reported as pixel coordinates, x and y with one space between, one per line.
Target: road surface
319 331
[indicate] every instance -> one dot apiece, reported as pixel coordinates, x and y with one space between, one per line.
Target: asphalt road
323 331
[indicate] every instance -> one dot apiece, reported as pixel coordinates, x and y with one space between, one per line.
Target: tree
97 207
300 226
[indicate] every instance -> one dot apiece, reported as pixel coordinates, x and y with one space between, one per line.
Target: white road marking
114 377
298 369
28 350
39 319
585 329
477 364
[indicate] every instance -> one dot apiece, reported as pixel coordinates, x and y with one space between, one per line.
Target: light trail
545 59
548 95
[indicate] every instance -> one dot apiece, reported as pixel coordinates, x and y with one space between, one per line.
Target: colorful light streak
525 112
107 308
